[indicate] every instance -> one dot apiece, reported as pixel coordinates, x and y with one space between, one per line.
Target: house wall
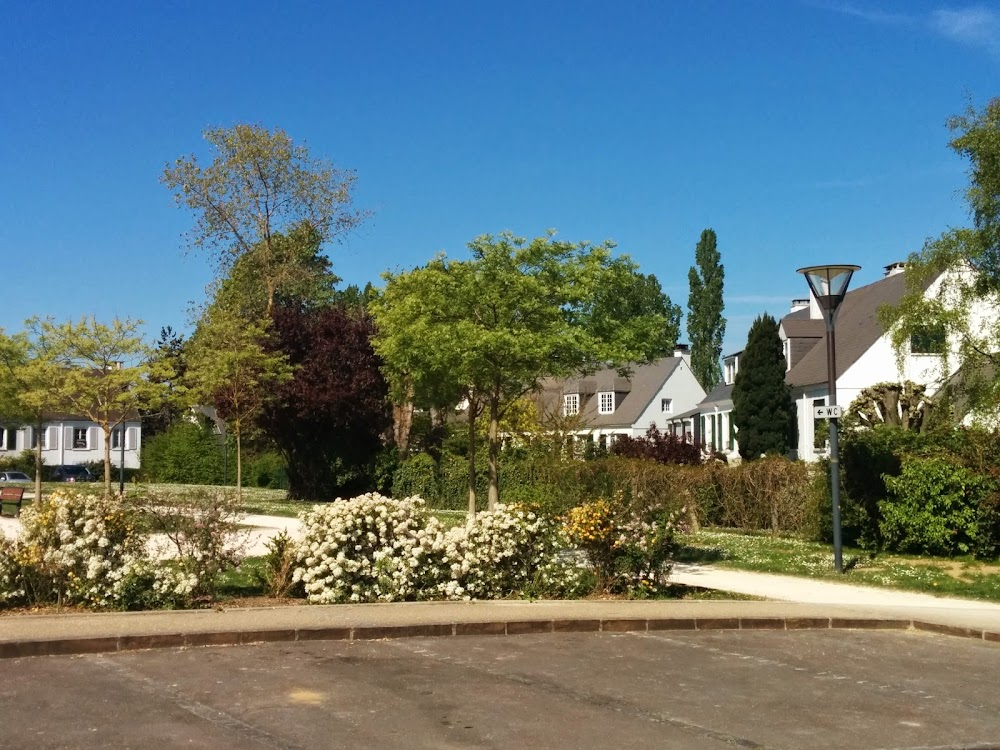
682 387
60 447
879 365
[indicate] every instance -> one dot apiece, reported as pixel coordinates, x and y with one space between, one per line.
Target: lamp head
828 285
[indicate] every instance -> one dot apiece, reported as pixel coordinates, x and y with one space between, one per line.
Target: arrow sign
828 412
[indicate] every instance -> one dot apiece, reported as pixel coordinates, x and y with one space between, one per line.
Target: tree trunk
472 463
107 460
239 461
494 451
38 459
402 420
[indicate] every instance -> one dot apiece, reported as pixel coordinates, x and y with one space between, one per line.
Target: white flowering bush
201 530
510 550
83 550
371 548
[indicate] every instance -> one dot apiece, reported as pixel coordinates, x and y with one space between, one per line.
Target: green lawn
955 577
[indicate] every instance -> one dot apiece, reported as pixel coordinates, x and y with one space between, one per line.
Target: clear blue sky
802 131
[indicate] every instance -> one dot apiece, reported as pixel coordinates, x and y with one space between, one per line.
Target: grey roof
857 328
632 395
721 395
798 327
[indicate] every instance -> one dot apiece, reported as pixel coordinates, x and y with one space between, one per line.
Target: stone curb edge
115 644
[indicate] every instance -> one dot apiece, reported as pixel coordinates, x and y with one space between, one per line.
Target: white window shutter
68 437
29 433
132 438
93 437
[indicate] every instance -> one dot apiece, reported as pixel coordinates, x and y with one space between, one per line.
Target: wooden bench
11 496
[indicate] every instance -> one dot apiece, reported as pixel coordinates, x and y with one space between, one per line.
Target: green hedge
772 494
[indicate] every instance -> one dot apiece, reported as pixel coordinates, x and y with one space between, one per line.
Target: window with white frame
8 439
667 405
571 404
788 354
606 405
116 438
80 438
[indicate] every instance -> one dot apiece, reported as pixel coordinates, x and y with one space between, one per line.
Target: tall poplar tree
763 410
705 325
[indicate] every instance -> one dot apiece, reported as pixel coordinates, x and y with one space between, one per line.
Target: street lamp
828 285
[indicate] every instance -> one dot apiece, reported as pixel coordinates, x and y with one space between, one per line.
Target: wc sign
828 412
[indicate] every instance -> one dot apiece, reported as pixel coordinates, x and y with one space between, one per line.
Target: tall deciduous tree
763 410
328 419
966 263
705 325
516 312
102 372
265 196
29 378
228 364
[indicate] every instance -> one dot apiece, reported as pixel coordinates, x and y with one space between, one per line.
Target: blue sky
802 131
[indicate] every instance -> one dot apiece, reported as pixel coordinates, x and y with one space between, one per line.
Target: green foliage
229 365
933 507
705 325
763 410
964 265
492 327
266 470
186 453
265 198
23 461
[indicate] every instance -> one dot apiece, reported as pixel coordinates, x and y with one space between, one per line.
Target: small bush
370 548
202 530
934 507
659 447
86 550
629 549
511 550
186 453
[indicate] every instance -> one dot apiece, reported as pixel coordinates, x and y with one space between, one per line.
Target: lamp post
828 285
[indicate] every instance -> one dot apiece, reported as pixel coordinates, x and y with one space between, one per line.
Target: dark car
72 474
14 476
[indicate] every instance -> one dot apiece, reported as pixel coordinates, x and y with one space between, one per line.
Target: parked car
14 476
72 473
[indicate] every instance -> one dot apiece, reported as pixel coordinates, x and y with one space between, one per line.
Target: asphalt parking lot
671 689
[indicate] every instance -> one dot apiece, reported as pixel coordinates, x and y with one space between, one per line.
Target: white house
710 424
864 354
67 439
603 405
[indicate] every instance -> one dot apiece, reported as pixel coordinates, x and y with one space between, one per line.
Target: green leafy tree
964 264
265 197
28 379
705 325
228 364
493 326
99 371
763 410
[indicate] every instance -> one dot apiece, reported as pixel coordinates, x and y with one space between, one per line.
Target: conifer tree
705 325
763 410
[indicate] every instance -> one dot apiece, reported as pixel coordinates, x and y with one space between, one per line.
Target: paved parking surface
678 690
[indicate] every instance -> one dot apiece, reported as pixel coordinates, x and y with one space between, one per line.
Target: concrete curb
122 643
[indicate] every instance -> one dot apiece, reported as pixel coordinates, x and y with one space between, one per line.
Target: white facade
68 442
877 364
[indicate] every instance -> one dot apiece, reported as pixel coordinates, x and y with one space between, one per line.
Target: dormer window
606 402
571 404
732 367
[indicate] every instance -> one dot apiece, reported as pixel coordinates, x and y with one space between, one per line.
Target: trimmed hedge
771 494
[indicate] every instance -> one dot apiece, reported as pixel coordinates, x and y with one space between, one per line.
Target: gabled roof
857 330
632 395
